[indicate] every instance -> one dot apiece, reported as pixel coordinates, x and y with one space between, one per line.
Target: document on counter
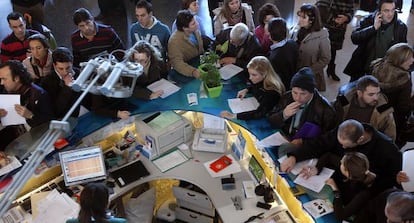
7 102
229 70
408 168
213 122
168 87
238 105
276 139
170 160
234 167
14 164
55 207
316 182
318 207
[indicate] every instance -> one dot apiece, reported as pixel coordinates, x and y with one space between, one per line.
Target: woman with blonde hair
231 13
392 71
154 69
266 87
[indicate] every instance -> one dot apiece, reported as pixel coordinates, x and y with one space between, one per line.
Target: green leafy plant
210 74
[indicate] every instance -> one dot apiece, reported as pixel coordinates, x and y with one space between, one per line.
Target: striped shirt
105 39
14 49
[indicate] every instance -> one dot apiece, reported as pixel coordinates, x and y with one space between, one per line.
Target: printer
163 131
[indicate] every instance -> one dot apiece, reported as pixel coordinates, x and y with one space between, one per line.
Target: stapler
237 202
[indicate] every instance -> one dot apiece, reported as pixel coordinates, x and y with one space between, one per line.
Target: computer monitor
256 169
84 165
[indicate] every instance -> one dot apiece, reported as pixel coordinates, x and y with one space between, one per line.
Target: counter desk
193 170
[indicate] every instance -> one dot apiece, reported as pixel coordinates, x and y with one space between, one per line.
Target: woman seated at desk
94 201
154 68
267 87
353 188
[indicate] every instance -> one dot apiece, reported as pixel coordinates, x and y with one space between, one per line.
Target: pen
310 164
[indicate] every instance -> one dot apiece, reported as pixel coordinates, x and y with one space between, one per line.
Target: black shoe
331 72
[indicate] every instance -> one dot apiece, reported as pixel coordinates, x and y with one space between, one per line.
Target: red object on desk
220 163
4 183
60 143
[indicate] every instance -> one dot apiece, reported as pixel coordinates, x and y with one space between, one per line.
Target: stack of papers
51 207
238 105
164 85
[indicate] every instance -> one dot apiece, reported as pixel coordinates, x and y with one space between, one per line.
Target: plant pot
213 92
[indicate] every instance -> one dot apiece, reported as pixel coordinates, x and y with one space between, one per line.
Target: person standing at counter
154 68
94 200
185 47
266 87
35 105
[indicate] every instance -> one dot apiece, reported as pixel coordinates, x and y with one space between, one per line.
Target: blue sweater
157 35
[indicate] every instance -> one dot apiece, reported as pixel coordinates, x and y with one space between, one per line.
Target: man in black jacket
34 104
351 136
374 36
303 104
284 52
242 46
57 84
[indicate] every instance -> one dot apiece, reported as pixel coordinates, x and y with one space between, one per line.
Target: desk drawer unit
191 217
193 201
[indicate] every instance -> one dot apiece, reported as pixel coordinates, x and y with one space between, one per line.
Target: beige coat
181 50
315 52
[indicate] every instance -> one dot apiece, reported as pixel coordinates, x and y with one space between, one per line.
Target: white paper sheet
318 208
14 164
7 102
213 122
55 207
408 168
317 182
229 70
276 139
238 105
168 87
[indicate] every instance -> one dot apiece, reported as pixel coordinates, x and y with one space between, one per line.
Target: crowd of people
359 134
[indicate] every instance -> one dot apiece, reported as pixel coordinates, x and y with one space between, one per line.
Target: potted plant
210 74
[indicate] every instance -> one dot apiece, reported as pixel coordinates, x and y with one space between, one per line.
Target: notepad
170 160
164 85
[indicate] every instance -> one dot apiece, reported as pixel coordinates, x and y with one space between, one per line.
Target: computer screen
82 165
255 169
